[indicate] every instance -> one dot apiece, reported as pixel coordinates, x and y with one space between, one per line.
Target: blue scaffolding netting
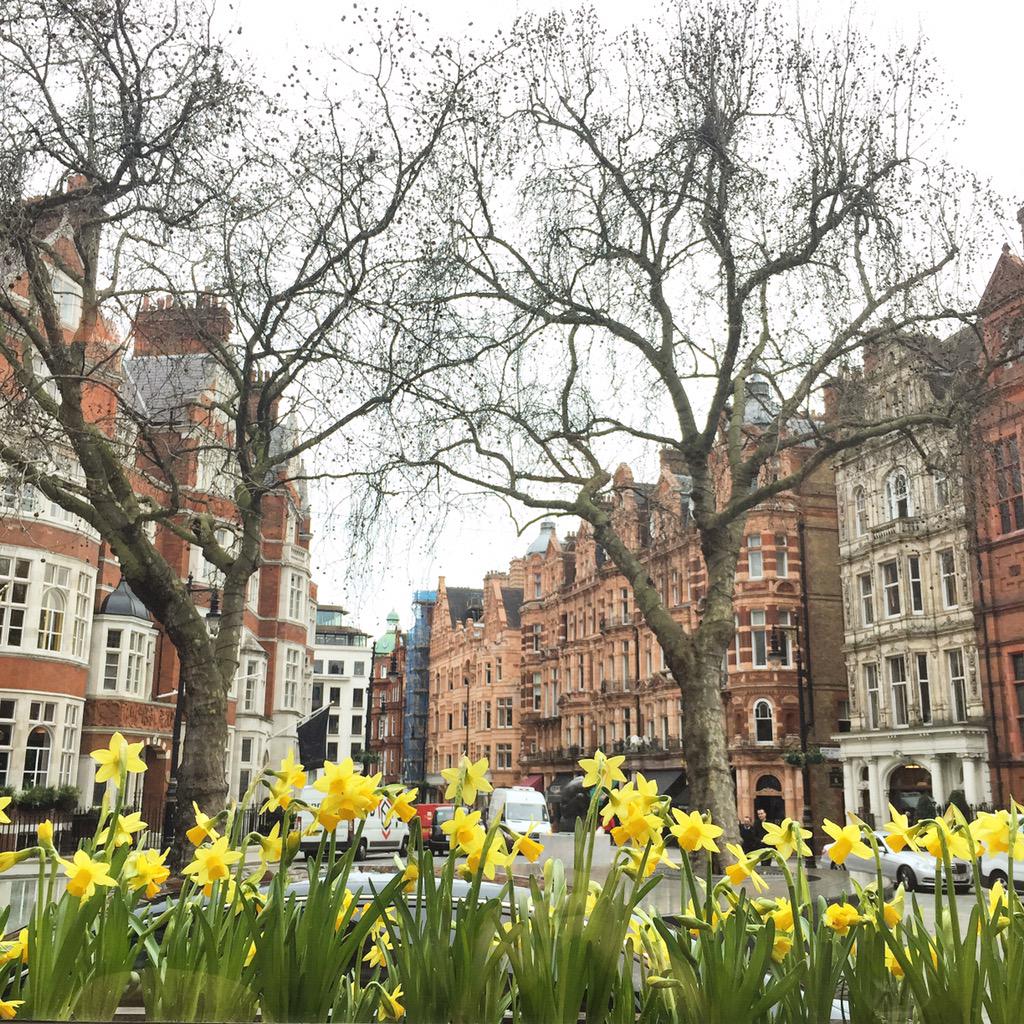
417 688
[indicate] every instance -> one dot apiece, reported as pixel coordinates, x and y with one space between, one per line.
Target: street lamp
777 652
213 628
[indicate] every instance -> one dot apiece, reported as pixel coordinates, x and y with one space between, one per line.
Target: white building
342 659
917 724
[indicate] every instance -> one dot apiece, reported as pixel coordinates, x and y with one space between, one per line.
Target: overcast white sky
979 45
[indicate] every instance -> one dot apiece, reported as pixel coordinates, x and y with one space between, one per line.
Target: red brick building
79 655
474 694
387 700
594 676
999 520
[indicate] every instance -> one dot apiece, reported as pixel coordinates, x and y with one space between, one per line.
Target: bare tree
644 226
257 224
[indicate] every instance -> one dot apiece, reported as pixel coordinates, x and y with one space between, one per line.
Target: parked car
524 808
377 836
435 840
907 868
996 868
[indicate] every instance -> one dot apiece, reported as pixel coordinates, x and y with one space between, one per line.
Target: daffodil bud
9 859
45 834
658 981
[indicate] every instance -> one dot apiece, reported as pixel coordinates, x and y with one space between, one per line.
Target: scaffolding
417 688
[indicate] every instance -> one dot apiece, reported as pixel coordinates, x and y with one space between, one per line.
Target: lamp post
171 798
777 653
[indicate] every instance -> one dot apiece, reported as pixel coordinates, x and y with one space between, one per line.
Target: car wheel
997 876
362 850
403 850
906 877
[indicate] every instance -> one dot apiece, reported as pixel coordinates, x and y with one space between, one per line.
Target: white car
996 868
376 838
906 868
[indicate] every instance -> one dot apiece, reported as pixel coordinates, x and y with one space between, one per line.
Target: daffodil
637 828
956 842
461 828
743 868
481 856
656 855
16 949
5 802
203 828
601 770
279 798
212 863
84 874
9 1008
846 840
781 946
693 832
788 838
841 917
350 795
250 955
390 1008
467 780
44 833
998 910
347 900
121 832
291 773
146 868
526 845
11 857
618 802
893 964
782 915
993 829
646 792
900 834
402 806
271 845
117 755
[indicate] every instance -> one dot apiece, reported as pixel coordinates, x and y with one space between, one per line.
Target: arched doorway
910 791
768 797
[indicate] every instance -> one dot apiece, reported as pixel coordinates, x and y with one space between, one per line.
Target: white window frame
956 663
755 557
762 705
866 594
860 512
899 695
872 696
781 556
895 497
758 639
914 585
948 578
891 587
924 688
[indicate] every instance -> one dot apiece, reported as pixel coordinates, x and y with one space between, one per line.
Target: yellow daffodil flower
121 832
44 833
271 845
655 856
841 917
469 779
495 856
646 792
203 828
957 844
894 966
782 915
402 806
461 828
618 803
788 838
998 908
743 868
637 828
11 857
693 832
119 754
291 773
993 829
279 797
5 802
390 1008
601 770
781 946
146 868
846 840
16 949
899 833
250 954
526 845
212 863
9 1008
84 874
346 902
350 795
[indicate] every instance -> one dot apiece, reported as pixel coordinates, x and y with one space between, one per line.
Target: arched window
37 758
764 727
860 512
51 620
897 495
768 782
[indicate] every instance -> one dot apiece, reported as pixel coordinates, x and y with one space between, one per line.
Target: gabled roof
165 385
1006 282
460 599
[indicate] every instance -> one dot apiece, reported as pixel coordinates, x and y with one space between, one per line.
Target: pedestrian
748 838
759 829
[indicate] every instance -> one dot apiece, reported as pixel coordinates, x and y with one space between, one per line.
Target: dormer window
67 296
897 495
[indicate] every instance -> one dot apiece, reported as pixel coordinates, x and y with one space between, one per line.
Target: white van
376 838
524 808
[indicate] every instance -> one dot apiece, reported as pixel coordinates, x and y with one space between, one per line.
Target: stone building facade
474 698
918 728
594 676
80 656
387 700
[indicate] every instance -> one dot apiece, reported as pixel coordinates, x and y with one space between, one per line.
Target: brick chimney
673 461
164 327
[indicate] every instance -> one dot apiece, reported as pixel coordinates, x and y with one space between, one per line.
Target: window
891 588
7 715
781 556
537 587
450 725
357 698
914 576
246 758
924 693
764 729
252 589
676 595
37 758
67 297
1017 660
958 684
69 745
487 714
785 639
755 557
112 661
140 653
335 668
872 707
465 714
318 667
897 495
947 572
83 617
252 689
537 691
51 614
898 685
940 483
292 672
1008 485
359 668
860 512
624 599
867 599
758 640
42 711
357 725
536 636
503 757
504 712
296 597
13 599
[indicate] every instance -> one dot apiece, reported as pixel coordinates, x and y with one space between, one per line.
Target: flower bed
469 943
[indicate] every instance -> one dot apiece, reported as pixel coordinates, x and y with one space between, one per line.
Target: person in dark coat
748 838
759 830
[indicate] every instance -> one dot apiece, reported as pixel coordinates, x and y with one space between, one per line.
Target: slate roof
164 385
459 601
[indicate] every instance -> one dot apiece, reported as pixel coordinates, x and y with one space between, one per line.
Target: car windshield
444 813
525 812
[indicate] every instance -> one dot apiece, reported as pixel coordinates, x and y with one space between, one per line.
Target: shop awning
534 782
671 781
